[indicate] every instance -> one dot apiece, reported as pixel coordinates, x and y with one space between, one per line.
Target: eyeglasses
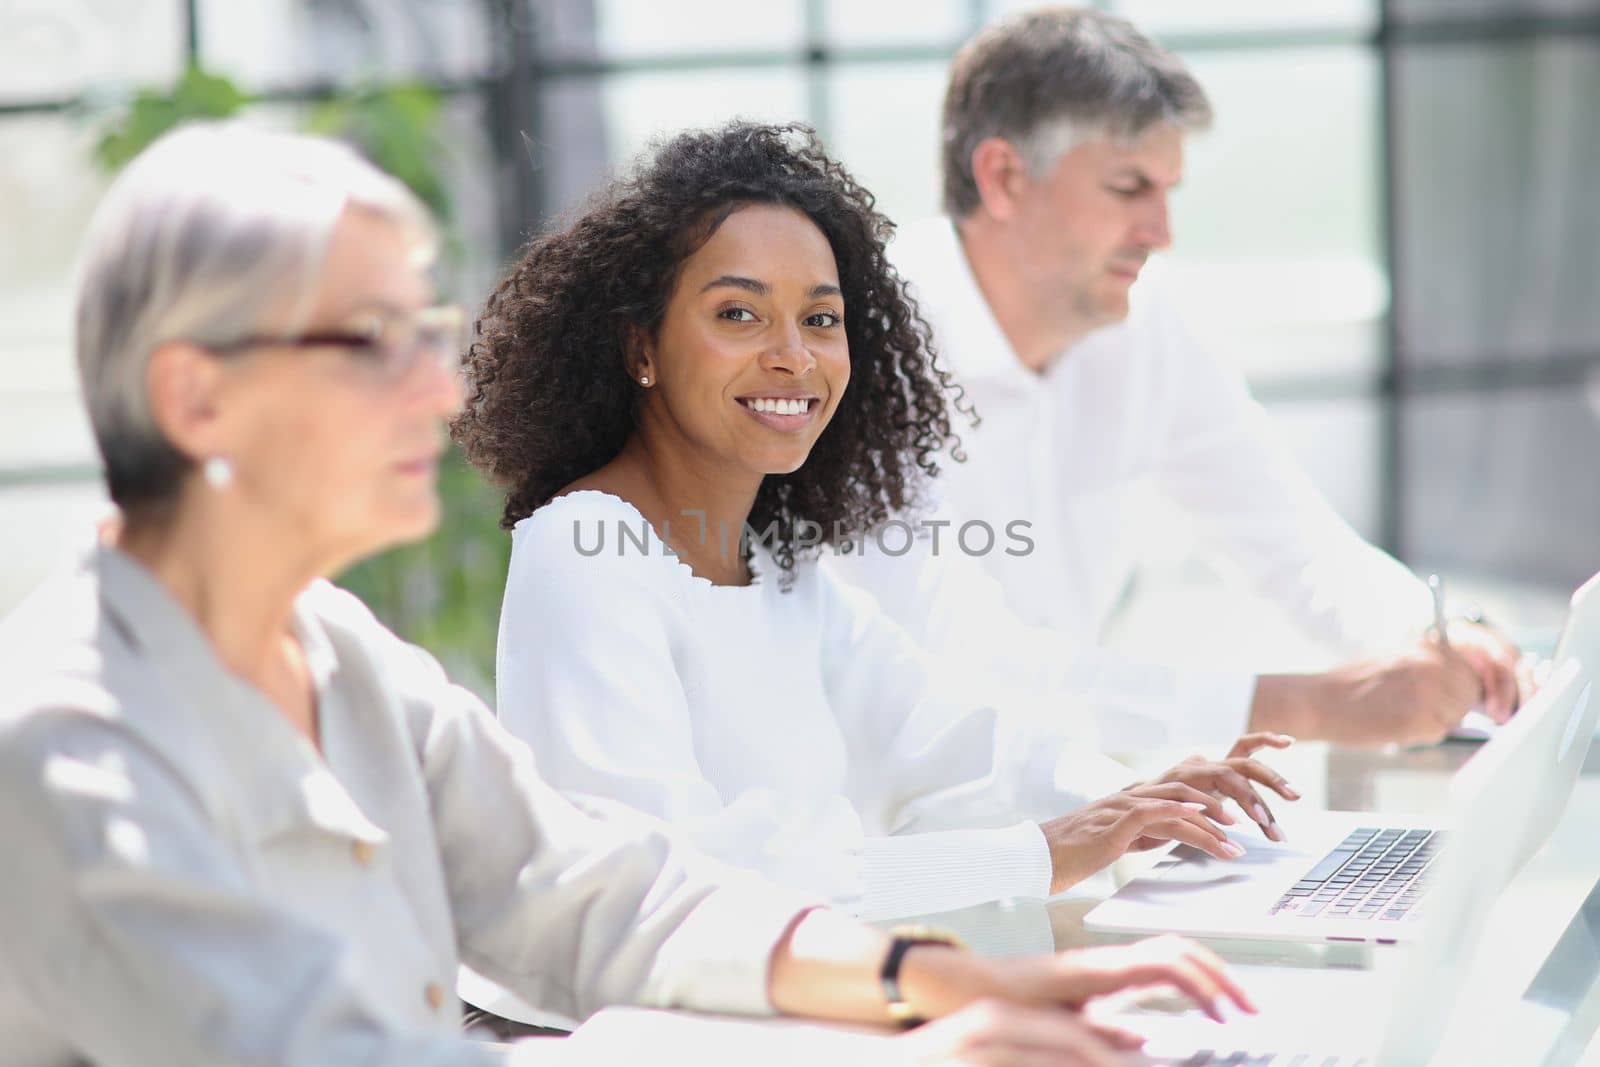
390 344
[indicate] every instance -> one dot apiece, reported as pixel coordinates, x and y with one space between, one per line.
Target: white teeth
778 406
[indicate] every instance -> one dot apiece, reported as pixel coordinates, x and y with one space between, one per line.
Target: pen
1436 587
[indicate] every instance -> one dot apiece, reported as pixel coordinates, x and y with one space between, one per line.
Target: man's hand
1503 673
1413 698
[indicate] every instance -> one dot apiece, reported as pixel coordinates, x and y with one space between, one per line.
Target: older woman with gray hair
256 827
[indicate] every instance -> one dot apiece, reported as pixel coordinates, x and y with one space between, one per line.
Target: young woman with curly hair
718 342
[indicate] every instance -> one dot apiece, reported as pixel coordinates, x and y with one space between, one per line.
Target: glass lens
438 332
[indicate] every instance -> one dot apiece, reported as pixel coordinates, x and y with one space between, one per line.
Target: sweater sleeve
937 762
587 677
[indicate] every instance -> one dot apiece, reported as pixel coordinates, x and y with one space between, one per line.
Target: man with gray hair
1062 136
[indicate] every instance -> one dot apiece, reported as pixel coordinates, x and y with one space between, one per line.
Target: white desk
1536 980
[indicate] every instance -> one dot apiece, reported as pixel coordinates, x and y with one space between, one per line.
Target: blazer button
434 995
364 852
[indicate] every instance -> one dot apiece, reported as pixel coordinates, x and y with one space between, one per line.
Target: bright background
1390 229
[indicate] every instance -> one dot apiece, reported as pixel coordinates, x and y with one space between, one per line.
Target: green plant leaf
198 94
398 128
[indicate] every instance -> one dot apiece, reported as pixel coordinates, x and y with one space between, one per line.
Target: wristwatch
903 939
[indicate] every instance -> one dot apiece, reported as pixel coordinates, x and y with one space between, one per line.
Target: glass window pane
1276 233
632 28
1336 444
1220 17
1503 483
1283 173
1458 10
44 526
884 125
56 49
896 22
571 156
277 43
1499 242
593 125
562 28
643 106
48 189
1296 319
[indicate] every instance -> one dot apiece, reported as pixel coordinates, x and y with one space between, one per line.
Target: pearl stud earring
218 473
644 379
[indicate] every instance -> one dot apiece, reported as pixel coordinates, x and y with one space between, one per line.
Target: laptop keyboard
1209 1058
1372 874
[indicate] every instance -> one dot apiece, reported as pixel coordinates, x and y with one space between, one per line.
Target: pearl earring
644 379
218 473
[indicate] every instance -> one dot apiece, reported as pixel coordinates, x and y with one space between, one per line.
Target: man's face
1086 228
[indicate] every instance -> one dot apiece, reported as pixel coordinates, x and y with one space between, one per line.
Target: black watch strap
901 942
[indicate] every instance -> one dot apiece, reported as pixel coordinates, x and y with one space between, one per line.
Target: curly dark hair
550 397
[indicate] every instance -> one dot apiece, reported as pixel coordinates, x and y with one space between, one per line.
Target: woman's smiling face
751 359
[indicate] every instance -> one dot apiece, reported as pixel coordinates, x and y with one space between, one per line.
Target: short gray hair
215 232
1049 78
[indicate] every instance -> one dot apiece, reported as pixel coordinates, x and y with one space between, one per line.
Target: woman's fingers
1013 1035
1192 828
1118 1038
1051 1057
1182 975
1248 743
1213 965
1268 777
1194 971
1239 789
1154 963
1222 778
1183 792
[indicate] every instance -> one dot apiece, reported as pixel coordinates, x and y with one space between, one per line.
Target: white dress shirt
193 883
794 732
1133 407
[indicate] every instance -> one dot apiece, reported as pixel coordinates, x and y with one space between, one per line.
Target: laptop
1400 1019
1364 876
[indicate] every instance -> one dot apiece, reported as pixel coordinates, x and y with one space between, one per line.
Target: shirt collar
967 336
157 624
205 708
